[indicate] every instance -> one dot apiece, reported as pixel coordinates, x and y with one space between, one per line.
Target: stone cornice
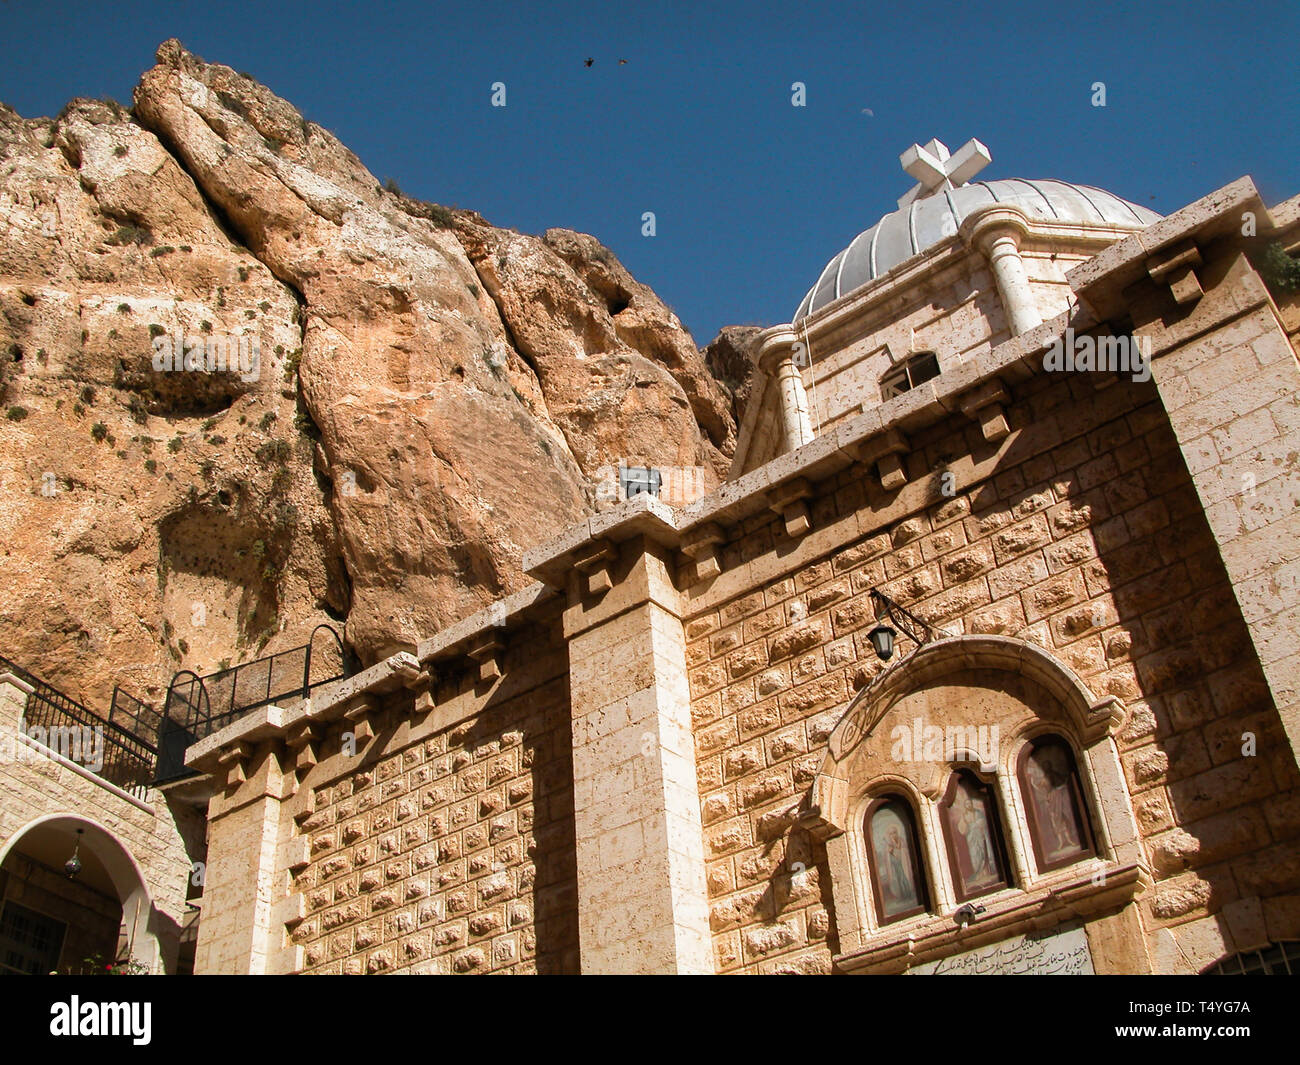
1102 280
17 682
1286 223
327 703
463 635
642 515
952 392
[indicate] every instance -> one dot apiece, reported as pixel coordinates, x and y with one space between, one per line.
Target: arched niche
139 919
974 701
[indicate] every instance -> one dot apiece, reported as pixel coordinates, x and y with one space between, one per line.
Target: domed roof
930 219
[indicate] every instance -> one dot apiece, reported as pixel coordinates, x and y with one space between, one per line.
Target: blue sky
751 195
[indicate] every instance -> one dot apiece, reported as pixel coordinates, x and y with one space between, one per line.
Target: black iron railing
138 718
198 706
105 748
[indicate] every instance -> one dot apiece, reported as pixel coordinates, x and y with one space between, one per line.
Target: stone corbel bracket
234 760
790 501
593 566
481 638
986 405
701 547
425 697
303 741
887 451
489 652
1105 281
576 552
359 716
1176 267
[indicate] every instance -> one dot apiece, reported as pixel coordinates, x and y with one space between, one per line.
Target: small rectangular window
895 384
922 368
918 369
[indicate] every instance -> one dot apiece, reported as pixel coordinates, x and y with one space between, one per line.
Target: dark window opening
30 942
916 370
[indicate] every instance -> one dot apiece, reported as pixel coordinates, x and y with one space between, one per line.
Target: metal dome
926 221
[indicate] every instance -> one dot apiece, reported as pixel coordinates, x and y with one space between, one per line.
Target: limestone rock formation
152 519
731 357
421 396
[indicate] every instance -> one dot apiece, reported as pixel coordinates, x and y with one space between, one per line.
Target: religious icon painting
897 878
973 834
1058 817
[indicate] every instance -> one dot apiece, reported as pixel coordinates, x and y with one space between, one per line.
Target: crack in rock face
432 394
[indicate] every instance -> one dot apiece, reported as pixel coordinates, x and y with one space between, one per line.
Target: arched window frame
1002 846
1087 722
1083 794
925 868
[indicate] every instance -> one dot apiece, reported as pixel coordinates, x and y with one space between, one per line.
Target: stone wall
448 845
1080 531
953 310
521 794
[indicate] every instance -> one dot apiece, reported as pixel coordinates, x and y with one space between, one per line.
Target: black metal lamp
883 635
882 639
73 865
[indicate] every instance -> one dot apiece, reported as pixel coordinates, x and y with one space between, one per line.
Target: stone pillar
1230 384
794 404
997 232
782 353
241 929
642 897
13 706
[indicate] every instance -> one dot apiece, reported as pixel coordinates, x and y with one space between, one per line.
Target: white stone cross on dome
936 170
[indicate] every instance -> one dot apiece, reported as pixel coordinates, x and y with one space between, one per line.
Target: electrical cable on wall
812 375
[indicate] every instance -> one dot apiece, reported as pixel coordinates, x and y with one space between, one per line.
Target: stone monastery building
983 658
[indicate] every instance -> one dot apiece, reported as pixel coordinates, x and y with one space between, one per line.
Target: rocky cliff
246 389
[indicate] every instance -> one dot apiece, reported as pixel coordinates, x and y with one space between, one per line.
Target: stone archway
1091 718
1015 691
106 860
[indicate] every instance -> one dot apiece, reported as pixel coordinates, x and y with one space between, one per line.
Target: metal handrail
136 713
68 705
306 667
134 758
200 717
